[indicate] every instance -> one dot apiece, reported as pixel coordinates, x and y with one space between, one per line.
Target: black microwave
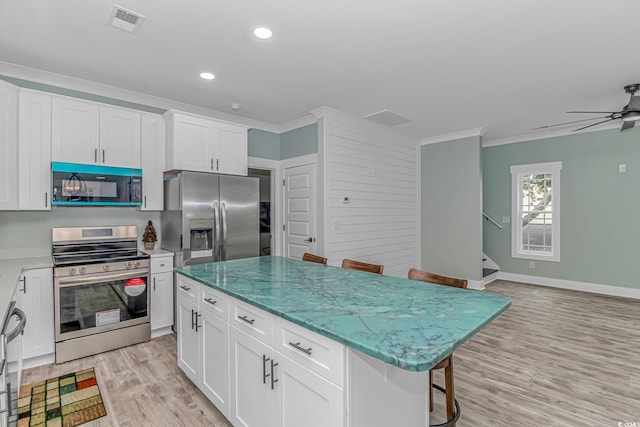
94 185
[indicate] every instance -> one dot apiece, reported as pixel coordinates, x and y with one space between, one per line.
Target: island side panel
382 395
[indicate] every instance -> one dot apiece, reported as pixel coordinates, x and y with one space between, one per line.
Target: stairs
490 270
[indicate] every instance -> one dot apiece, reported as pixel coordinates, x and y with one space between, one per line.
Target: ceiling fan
629 114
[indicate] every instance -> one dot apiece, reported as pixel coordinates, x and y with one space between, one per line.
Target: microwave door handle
20 328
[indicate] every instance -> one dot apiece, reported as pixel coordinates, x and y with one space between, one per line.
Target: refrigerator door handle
223 212
216 232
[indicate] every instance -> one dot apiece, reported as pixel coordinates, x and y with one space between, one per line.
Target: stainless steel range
100 290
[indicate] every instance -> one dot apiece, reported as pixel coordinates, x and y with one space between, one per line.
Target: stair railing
488 218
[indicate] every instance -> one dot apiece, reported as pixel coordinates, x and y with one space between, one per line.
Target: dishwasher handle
20 328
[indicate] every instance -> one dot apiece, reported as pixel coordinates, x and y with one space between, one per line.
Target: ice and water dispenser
201 238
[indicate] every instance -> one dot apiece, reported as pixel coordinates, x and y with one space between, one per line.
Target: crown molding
468 133
306 120
544 135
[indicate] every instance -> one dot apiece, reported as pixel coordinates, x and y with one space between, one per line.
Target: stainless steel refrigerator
210 218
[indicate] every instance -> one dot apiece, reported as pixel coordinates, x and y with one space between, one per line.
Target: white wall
376 169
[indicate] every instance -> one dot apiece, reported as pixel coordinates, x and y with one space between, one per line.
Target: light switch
622 168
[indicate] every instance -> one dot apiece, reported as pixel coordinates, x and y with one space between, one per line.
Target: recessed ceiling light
262 33
207 76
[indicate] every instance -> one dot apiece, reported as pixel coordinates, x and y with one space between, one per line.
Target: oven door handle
101 278
20 328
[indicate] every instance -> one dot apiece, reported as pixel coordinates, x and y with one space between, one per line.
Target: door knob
309 240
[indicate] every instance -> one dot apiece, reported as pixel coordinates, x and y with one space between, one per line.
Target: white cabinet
188 340
201 144
258 369
8 146
303 398
252 383
34 151
203 351
152 162
34 296
161 294
119 137
88 133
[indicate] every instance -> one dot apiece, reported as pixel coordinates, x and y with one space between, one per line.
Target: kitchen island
388 331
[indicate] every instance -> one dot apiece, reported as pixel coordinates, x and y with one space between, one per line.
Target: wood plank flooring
554 358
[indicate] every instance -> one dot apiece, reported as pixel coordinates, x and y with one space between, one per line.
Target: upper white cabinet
34 151
86 132
201 144
8 146
152 162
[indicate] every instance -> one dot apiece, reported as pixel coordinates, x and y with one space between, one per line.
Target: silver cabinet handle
145 201
297 346
216 232
273 380
197 316
46 199
193 313
223 215
212 163
186 288
24 284
217 164
103 156
265 359
154 283
95 155
210 301
244 318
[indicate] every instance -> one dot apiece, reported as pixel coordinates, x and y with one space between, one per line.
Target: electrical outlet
532 264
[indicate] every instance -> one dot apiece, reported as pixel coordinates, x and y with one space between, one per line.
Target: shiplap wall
376 169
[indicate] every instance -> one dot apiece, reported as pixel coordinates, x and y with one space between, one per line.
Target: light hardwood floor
554 358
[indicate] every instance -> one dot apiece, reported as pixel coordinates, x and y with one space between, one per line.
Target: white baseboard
595 288
38 361
478 285
160 332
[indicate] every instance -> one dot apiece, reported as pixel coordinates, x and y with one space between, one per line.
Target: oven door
95 303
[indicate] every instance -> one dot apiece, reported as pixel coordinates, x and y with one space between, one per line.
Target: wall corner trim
617 291
453 136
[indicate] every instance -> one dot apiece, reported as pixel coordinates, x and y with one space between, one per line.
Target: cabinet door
8 146
34 151
188 340
152 162
191 144
76 131
251 395
35 297
161 300
119 137
231 150
215 361
303 398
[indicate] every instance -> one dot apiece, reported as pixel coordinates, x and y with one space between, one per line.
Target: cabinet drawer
214 302
161 265
187 288
317 353
251 320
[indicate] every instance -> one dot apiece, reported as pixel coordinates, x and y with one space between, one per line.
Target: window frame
517 174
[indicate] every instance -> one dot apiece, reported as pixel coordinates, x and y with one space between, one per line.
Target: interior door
299 212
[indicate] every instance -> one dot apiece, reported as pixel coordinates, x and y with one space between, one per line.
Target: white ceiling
447 65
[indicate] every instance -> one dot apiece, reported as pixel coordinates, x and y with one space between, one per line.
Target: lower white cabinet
189 350
161 294
252 382
227 348
303 398
34 296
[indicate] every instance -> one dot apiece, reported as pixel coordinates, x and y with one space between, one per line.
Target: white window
535 216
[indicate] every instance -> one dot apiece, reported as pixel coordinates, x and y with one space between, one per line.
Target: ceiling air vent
386 117
124 19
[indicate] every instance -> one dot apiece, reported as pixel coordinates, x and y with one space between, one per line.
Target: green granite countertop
406 323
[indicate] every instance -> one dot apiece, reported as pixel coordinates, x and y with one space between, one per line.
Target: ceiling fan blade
595 124
594 112
627 125
568 123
